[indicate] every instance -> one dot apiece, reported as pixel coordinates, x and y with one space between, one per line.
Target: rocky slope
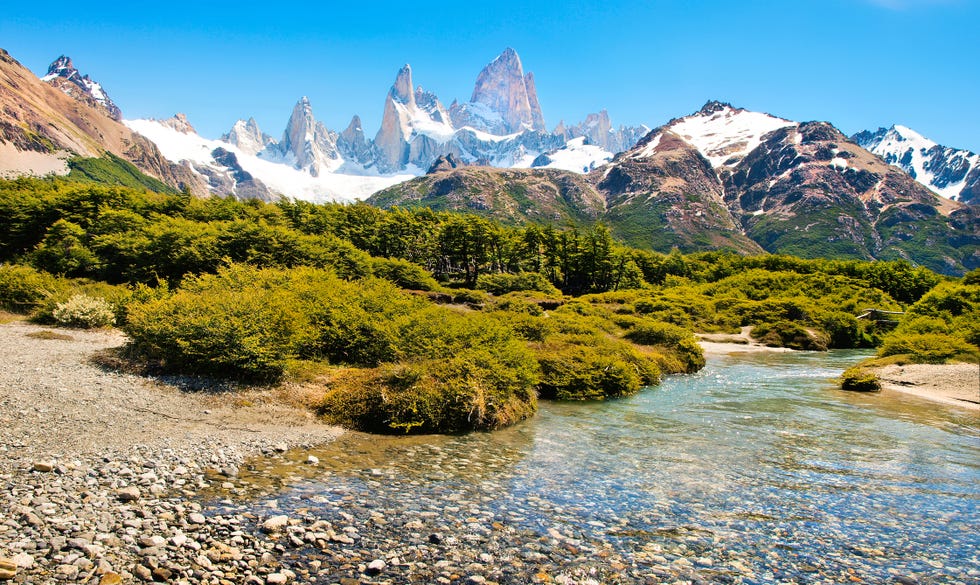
950 172
63 75
42 127
515 196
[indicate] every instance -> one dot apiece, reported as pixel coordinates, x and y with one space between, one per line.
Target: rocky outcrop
247 137
63 75
353 145
504 100
308 144
444 163
179 123
231 179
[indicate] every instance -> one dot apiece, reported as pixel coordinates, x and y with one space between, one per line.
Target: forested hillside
410 320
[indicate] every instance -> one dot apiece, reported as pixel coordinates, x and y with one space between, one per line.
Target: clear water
757 465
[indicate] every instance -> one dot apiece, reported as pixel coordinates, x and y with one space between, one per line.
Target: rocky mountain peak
715 106
508 94
402 89
307 142
247 136
63 67
63 75
951 172
179 123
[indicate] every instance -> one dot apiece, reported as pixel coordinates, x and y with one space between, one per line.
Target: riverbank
729 343
953 384
99 466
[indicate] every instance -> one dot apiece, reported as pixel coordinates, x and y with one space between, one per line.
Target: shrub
404 274
84 312
927 348
23 289
654 333
231 324
498 284
860 380
789 334
592 368
478 389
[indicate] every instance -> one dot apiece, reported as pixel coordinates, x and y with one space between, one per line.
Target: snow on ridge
575 156
910 151
727 133
279 177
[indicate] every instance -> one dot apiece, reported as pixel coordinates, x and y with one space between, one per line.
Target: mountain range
727 178
721 178
502 125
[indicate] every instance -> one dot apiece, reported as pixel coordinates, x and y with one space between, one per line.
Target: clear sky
859 64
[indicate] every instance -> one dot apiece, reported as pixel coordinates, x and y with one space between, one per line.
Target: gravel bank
100 469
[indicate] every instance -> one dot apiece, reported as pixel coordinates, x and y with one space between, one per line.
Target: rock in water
275 523
376 567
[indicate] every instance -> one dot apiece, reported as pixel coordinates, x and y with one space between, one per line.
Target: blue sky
856 63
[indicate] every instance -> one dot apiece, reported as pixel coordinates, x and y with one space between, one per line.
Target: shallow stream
755 470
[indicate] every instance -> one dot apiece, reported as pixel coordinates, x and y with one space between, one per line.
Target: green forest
413 320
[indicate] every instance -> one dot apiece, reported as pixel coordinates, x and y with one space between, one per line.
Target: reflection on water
760 452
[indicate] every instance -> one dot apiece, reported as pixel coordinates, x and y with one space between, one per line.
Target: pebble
275 523
196 518
128 494
43 466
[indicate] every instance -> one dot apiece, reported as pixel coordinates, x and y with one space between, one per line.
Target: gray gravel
101 470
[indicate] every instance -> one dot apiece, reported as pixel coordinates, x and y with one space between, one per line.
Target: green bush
233 324
404 274
498 284
654 333
860 380
23 289
477 389
84 312
928 348
789 334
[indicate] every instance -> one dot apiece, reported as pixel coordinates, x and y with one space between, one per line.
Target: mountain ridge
727 178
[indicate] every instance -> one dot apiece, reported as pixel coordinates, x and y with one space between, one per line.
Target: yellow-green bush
498 284
860 380
928 348
479 388
23 289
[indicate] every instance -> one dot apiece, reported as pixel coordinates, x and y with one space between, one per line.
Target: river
755 470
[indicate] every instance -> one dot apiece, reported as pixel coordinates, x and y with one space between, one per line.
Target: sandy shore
730 343
953 384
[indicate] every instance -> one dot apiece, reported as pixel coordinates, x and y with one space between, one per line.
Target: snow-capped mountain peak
950 172
63 74
725 134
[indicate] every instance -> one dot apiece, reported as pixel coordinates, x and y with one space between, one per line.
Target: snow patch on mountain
947 171
280 178
724 134
575 156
